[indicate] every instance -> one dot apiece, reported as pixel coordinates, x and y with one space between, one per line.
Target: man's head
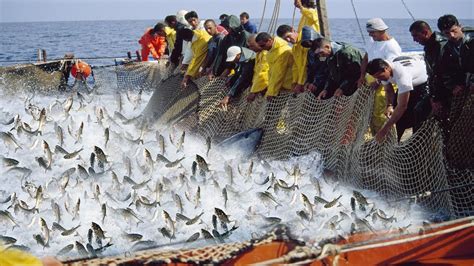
223 17
244 18
379 69
233 54
159 30
308 34
192 18
211 27
376 28
421 32
305 3
171 21
322 47
264 40
252 43
450 27
187 35
287 33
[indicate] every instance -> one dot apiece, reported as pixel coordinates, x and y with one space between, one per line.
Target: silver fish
8 162
65 250
40 240
332 203
42 162
70 231
59 134
175 163
72 154
195 219
179 146
9 139
106 136
193 237
133 237
59 149
100 154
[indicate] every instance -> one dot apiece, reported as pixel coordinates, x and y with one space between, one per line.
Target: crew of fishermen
407 89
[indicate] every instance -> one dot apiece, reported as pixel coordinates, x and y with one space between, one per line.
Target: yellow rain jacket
14 257
170 38
199 48
260 73
309 17
280 60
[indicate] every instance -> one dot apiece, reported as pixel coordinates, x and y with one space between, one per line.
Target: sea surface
86 39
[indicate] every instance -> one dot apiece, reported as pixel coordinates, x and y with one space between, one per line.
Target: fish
143 244
202 163
182 217
166 233
90 234
303 215
162 158
318 199
59 134
77 208
6 240
129 213
193 237
206 234
353 203
175 163
8 162
268 198
48 153
230 173
42 162
82 171
193 169
103 209
98 230
9 139
169 222
38 196
243 143
40 240
307 205
195 219
224 195
222 215
81 249
100 154
161 144
65 250
360 198
332 203
72 154
133 237
57 226
179 146
68 104
70 231
59 149
148 160
140 185
79 132
106 136
56 211
45 231
208 145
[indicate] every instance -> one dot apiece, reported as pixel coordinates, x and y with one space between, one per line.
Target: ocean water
20 41
129 181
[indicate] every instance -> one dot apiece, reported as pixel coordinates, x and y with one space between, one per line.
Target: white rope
358 24
408 10
263 15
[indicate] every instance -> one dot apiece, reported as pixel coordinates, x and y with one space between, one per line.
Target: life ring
80 70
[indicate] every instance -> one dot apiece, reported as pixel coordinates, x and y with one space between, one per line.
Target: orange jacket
155 44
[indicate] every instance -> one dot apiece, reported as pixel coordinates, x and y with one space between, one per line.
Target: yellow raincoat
199 48
280 60
14 257
309 17
170 38
260 73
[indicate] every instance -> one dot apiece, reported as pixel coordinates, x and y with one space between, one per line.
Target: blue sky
67 10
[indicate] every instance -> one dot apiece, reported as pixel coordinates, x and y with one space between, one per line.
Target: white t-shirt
386 50
407 73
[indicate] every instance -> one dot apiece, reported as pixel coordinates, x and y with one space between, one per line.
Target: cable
59 59
358 24
263 15
408 10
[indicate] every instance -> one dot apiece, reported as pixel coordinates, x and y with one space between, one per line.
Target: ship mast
323 18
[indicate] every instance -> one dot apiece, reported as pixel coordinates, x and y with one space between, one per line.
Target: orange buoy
80 70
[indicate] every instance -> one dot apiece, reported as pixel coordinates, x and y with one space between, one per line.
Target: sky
74 10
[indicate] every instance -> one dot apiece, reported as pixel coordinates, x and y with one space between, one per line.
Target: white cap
376 24
232 53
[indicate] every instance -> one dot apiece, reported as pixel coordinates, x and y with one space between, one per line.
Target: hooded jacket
155 45
237 37
260 72
170 38
343 68
309 17
280 60
199 48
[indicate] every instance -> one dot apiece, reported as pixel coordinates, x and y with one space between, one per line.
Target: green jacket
343 68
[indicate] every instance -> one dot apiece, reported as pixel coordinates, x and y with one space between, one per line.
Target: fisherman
237 37
316 69
280 60
343 66
260 71
433 43
170 34
381 45
244 59
456 60
199 40
212 46
245 21
153 41
309 17
178 26
222 18
409 74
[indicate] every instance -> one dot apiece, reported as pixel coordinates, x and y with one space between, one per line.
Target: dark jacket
178 44
237 37
343 68
433 53
317 71
467 54
212 47
250 27
244 73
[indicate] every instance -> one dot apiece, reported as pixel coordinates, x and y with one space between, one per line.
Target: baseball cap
232 52
376 24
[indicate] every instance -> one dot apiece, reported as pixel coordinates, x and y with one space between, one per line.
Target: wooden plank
323 18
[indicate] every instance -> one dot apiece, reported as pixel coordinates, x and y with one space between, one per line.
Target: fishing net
32 77
338 129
